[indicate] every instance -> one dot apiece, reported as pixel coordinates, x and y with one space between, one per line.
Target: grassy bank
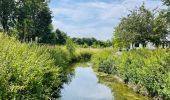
31 71
146 71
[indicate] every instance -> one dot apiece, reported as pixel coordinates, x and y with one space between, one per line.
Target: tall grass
147 70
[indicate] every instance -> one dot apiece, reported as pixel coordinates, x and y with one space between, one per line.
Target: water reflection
84 86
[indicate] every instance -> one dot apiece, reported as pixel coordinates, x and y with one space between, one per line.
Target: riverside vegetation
32 71
34 58
146 71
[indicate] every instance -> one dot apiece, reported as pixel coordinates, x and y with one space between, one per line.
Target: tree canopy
30 19
140 27
85 42
166 2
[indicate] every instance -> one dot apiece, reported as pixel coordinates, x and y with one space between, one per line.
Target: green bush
29 71
148 69
106 66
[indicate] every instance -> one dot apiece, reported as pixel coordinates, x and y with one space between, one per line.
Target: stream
84 84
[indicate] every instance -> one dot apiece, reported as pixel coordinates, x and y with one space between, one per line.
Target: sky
93 18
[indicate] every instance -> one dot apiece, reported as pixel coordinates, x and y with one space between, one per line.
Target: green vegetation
28 20
32 67
30 71
27 70
91 42
147 70
141 26
166 2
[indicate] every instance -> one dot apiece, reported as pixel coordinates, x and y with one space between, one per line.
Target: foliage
70 47
166 2
86 42
61 37
7 14
31 18
167 12
29 71
102 55
106 66
140 27
147 69
82 55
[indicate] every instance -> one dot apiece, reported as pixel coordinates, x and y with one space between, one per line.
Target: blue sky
93 18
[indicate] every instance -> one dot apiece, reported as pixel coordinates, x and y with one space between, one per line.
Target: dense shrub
147 69
106 66
28 71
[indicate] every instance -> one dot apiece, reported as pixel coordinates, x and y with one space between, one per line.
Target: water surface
85 86
82 83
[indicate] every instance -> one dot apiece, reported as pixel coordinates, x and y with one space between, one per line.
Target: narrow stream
86 85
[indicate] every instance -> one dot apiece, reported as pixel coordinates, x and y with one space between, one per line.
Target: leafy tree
44 26
61 37
140 27
34 20
167 12
7 17
166 2
85 42
159 32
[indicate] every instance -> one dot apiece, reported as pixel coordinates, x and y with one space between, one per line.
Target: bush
29 71
106 66
148 69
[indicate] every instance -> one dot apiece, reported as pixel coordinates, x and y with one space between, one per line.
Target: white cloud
94 19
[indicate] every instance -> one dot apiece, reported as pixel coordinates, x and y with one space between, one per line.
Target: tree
159 31
34 20
134 28
166 2
140 27
43 26
167 12
85 42
61 37
7 14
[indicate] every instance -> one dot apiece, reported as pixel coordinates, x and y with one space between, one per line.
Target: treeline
61 37
31 20
27 20
92 42
143 26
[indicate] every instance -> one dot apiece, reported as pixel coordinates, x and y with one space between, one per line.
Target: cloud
93 18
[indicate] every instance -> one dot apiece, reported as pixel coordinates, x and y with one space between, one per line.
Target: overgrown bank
31 71
147 71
